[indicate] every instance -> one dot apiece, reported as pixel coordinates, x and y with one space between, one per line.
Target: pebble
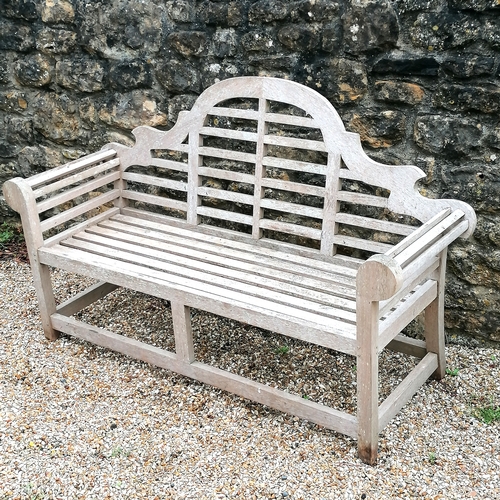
81 422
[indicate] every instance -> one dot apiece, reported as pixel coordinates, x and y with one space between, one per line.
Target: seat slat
125 263
287 283
214 246
215 254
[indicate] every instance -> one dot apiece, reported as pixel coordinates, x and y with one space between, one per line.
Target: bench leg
367 384
45 295
434 322
181 317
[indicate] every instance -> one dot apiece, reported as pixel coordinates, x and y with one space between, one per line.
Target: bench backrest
261 156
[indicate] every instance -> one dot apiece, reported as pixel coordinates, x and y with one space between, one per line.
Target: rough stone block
179 103
34 70
17 132
259 41
370 26
467 97
341 80
331 37
15 37
188 43
378 129
403 6
132 74
57 11
128 111
56 118
299 38
182 11
477 5
266 11
468 65
20 9
81 73
407 64
490 32
224 43
441 31
4 69
13 101
55 41
401 92
179 76
317 10
446 135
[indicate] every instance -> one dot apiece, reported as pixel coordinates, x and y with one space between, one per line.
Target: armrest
52 199
383 275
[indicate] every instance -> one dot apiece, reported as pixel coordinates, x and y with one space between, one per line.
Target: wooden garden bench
257 206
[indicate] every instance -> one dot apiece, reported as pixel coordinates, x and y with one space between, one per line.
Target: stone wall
418 79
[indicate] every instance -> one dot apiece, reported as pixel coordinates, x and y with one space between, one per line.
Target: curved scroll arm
401 181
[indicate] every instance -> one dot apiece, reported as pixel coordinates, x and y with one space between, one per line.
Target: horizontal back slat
299 166
228 133
169 164
155 181
375 224
78 210
293 186
292 229
225 215
292 208
69 168
227 154
293 142
155 200
248 114
70 194
75 178
222 194
226 174
297 121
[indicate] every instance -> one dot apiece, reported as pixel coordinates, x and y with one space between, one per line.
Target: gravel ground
78 421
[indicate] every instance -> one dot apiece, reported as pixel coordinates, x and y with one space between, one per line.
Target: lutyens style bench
257 206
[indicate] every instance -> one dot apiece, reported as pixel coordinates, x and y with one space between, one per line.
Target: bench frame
390 288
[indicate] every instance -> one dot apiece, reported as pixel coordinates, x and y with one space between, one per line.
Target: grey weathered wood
353 305
406 389
85 298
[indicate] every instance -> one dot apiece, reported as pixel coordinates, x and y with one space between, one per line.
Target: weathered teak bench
257 206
